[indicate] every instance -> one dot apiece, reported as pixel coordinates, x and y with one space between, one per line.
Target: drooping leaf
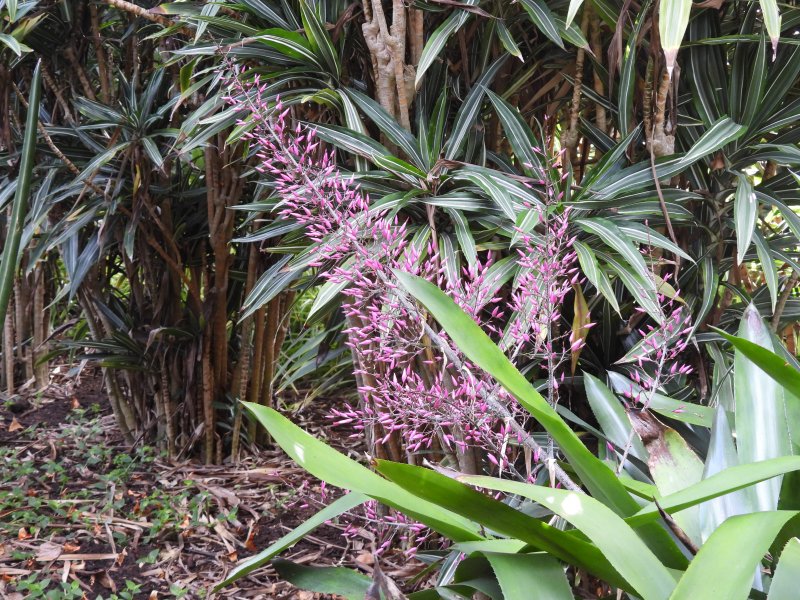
740 541
436 42
336 469
591 268
19 208
574 5
499 517
773 365
333 510
673 19
619 543
761 429
729 481
529 576
319 38
784 582
721 456
772 21
508 41
340 581
745 211
541 16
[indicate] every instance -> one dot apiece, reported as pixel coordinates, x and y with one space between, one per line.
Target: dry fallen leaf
106 581
71 548
365 558
48 551
15 425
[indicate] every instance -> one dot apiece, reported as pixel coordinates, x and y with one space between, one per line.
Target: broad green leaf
352 141
340 581
319 38
729 481
758 80
767 267
271 283
464 235
616 539
543 19
335 468
496 185
519 134
291 44
529 576
501 545
508 40
470 109
498 517
612 417
611 235
721 133
436 42
388 125
574 5
326 294
745 211
353 121
11 7
627 79
638 232
19 208
784 582
11 43
594 273
710 284
526 221
725 565
720 457
761 429
611 163
673 19
770 363
333 510
772 21
643 290
635 177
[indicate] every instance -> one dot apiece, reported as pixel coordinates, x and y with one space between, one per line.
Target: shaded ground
82 515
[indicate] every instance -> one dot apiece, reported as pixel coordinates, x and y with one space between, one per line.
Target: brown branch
780 306
132 8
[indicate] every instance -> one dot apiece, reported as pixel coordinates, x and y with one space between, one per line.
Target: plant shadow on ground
84 516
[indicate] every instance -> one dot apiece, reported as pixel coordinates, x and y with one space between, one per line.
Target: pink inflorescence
659 357
407 387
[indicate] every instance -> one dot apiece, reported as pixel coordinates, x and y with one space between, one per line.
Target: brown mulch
79 507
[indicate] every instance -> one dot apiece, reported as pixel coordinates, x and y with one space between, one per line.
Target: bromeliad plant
417 393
